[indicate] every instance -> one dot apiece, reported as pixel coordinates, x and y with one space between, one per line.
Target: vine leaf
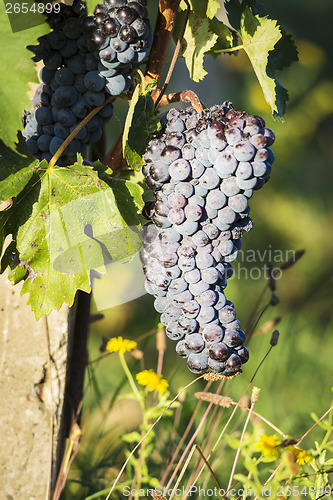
17 71
16 170
212 8
141 125
259 36
66 224
226 38
203 32
198 40
284 53
268 47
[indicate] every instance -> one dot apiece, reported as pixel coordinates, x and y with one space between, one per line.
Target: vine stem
165 22
175 55
184 96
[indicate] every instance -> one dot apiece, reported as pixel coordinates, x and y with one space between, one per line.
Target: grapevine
173 185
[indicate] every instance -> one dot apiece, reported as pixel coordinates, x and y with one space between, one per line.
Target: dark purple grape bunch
120 32
203 168
85 61
71 87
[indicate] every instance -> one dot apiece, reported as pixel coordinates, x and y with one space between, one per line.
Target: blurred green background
293 211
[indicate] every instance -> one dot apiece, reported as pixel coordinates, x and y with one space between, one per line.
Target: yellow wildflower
302 456
153 381
268 445
118 344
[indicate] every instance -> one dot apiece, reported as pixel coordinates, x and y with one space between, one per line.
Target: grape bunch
85 61
203 168
120 32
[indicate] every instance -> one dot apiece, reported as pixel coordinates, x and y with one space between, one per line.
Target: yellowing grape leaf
203 32
199 40
259 36
212 8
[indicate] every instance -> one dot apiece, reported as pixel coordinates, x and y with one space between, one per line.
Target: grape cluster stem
184 96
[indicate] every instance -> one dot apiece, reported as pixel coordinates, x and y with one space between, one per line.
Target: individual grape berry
127 34
212 334
197 363
243 353
233 338
233 364
187 325
126 15
182 350
194 342
97 41
219 351
191 309
94 81
44 116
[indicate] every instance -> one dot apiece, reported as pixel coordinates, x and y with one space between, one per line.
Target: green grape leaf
141 125
198 40
203 32
226 37
268 46
15 171
284 53
66 224
259 36
212 8
17 71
